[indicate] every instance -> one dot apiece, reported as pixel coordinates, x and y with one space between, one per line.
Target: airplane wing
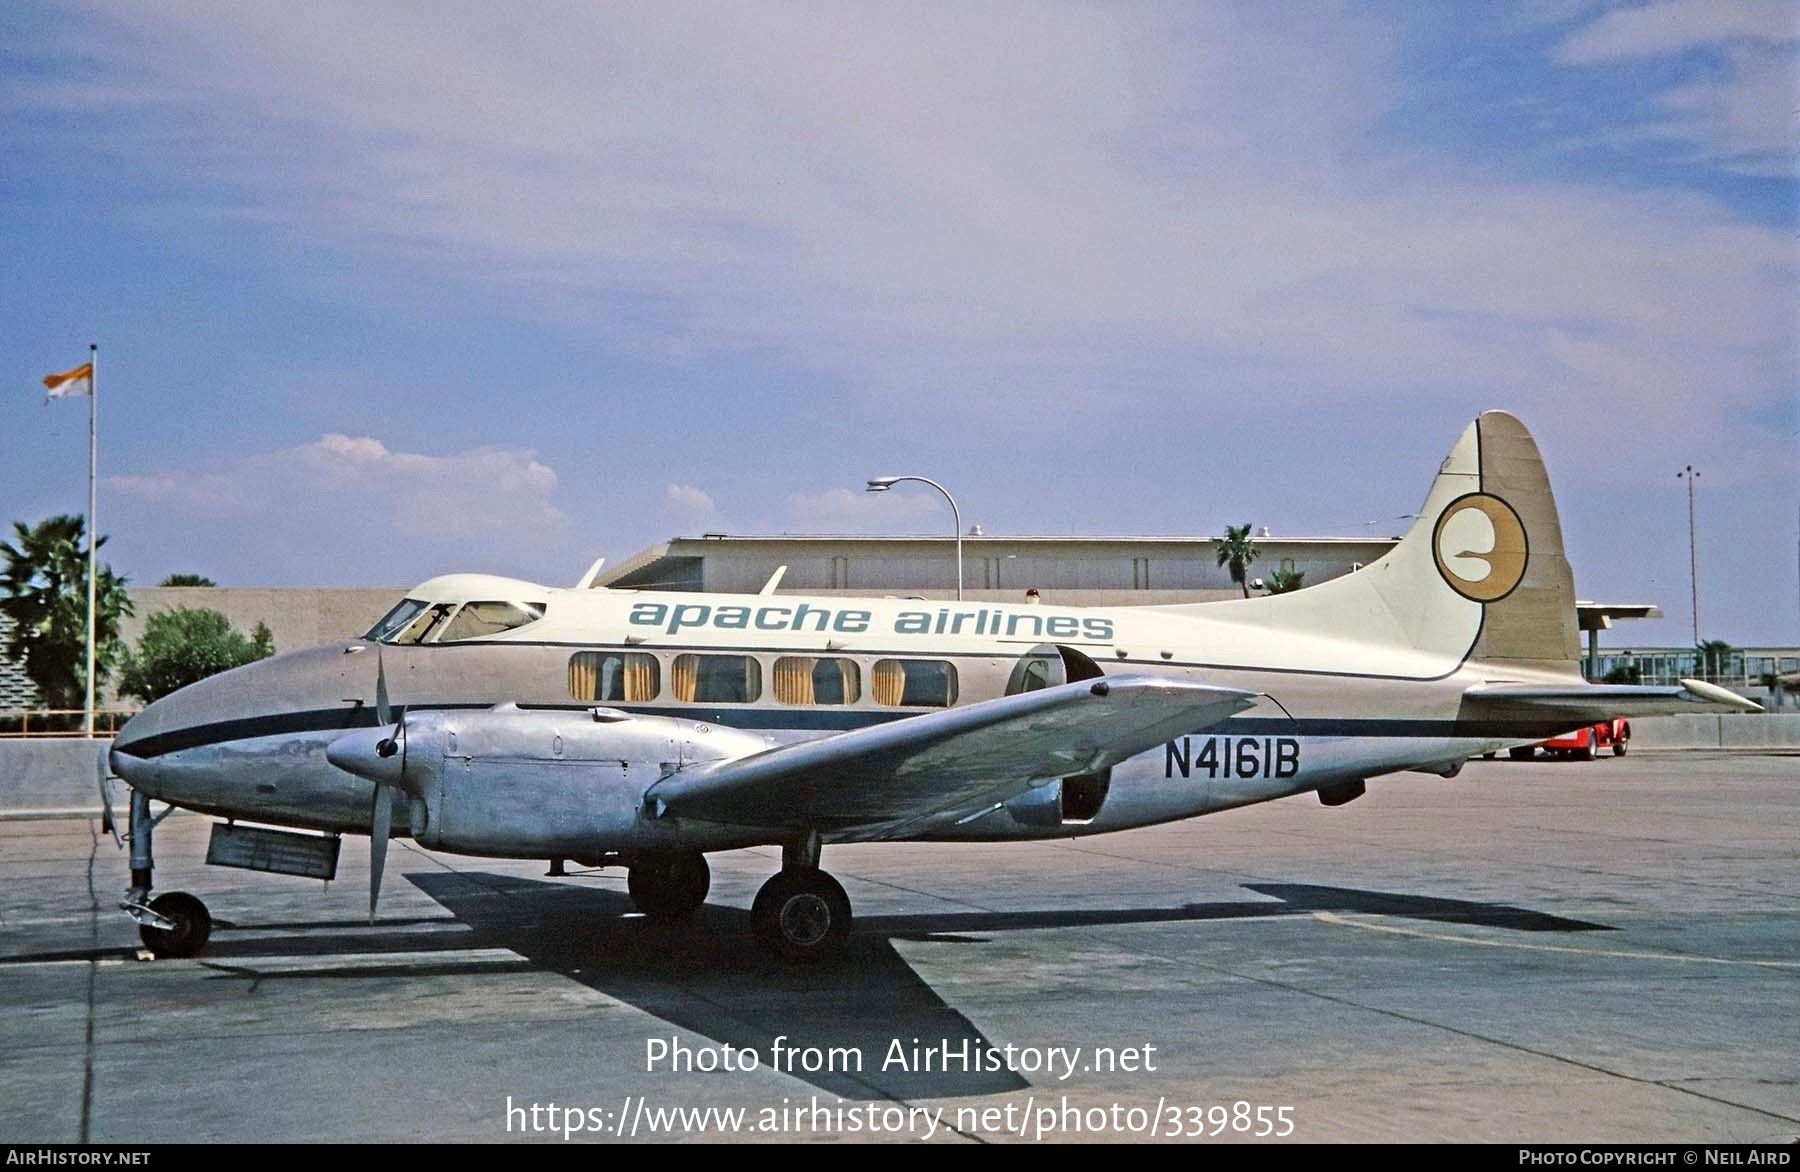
912 768
1605 701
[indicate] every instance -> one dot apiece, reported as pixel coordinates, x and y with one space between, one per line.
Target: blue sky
388 291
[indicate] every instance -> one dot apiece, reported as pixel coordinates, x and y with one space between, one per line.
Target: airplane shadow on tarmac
706 978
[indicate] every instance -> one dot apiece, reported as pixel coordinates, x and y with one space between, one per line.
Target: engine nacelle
1065 801
536 784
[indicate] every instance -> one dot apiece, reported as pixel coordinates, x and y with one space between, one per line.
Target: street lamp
1693 558
883 483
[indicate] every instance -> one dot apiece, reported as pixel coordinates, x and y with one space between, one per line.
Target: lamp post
883 483
1693 557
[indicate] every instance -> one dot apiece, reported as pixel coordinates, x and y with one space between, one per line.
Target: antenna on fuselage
593 571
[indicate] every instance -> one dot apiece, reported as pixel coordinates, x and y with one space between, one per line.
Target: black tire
1522 753
1590 749
803 915
668 887
1620 745
193 925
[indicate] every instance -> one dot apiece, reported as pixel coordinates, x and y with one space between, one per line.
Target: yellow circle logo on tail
1480 548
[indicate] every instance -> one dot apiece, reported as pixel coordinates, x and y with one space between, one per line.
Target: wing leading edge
946 761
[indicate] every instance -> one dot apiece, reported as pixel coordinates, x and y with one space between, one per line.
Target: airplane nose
375 754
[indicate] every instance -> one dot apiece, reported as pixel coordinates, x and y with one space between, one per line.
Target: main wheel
1620 745
667 887
1589 748
801 914
193 924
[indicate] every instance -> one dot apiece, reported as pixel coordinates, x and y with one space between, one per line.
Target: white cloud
1742 112
1014 214
688 510
1747 120
689 499
384 515
1672 26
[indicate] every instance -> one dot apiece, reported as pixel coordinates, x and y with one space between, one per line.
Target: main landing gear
172 924
669 887
802 914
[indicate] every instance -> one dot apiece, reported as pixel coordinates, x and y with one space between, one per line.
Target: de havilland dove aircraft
494 717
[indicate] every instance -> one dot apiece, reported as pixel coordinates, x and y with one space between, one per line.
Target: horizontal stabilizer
1604 701
943 761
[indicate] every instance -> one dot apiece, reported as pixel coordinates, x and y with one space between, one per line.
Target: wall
297 616
42 777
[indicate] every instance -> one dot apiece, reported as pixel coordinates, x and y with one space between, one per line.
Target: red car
1584 743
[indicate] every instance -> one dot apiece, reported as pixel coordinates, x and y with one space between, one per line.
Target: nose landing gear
173 924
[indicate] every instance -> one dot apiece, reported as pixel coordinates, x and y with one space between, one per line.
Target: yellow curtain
852 686
889 682
640 677
686 675
794 680
584 675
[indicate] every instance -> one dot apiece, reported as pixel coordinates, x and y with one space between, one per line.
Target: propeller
381 817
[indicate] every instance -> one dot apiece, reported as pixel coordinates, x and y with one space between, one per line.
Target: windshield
416 621
421 629
394 619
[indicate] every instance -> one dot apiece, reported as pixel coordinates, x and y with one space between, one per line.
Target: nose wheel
188 924
802 914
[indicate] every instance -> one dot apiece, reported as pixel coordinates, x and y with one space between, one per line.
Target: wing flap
917 766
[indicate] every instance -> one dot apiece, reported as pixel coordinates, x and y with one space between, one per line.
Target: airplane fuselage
250 744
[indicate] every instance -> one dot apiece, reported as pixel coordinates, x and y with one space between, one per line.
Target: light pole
1693 558
883 483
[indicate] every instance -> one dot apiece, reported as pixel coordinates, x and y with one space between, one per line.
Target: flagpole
93 525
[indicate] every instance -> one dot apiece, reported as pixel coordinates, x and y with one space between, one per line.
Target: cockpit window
394 619
477 619
425 626
416 621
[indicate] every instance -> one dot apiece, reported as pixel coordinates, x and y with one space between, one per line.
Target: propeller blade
107 824
382 825
381 696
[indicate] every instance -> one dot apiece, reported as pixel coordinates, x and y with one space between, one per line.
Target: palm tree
1711 657
44 581
1286 581
1237 551
187 580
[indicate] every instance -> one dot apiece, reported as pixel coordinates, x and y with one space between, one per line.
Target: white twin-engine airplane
488 716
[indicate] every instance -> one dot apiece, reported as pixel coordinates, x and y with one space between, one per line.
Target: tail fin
1533 625
1481 574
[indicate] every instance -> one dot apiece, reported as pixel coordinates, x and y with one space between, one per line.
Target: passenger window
914 683
610 677
720 679
476 619
805 679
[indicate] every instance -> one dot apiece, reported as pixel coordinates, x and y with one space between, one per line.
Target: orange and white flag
79 381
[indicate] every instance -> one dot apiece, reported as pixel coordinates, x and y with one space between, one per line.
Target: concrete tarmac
1529 952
